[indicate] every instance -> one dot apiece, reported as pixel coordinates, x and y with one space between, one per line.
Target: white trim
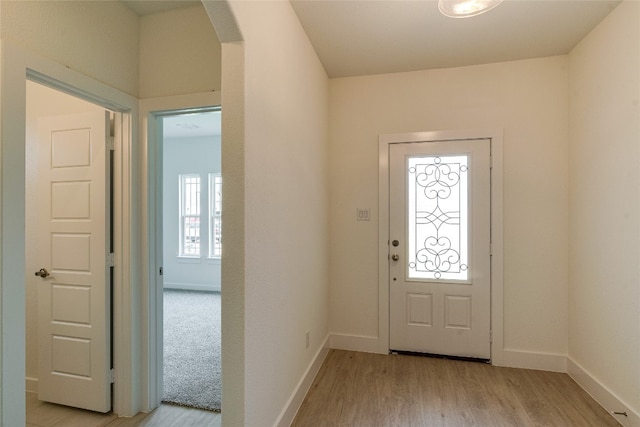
193 287
534 360
601 394
12 237
17 64
150 167
497 247
383 246
302 388
31 385
126 318
497 263
195 259
361 343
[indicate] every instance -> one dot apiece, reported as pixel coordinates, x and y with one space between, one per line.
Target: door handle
395 257
42 273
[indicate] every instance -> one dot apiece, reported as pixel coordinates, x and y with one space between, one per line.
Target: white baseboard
605 397
295 401
361 343
192 287
509 358
31 385
533 360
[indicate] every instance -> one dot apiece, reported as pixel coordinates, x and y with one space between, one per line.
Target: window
215 215
190 194
189 215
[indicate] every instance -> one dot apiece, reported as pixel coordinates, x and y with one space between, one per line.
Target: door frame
151 110
18 65
497 289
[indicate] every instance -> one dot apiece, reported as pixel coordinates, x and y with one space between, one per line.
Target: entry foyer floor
42 414
373 390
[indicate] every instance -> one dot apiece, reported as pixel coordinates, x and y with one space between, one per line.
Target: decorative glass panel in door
437 217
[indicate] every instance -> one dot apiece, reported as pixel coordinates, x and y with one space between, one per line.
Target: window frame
183 215
215 215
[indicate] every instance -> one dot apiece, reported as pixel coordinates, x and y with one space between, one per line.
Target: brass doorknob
42 273
395 257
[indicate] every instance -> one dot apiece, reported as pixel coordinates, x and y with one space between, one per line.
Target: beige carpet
192 367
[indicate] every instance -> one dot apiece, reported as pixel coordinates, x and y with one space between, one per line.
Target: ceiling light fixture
466 8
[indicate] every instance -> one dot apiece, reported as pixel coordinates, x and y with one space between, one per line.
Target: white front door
439 247
74 329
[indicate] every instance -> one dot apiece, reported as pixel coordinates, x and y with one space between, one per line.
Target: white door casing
151 112
440 282
74 331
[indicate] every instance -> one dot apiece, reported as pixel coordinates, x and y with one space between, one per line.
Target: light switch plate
363 214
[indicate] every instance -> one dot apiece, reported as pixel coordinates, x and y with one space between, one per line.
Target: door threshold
440 356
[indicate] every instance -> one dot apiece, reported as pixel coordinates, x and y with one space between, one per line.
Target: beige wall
168 53
98 39
529 100
604 318
285 208
179 53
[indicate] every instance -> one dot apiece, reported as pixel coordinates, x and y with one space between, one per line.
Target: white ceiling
192 125
363 37
148 7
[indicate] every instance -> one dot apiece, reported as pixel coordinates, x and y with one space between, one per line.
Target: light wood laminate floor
42 414
360 389
372 390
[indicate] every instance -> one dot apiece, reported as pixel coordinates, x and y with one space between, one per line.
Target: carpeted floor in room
192 365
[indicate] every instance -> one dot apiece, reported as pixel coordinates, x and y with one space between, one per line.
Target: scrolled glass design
438 217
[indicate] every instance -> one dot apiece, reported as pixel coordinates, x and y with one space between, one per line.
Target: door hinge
111 143
111 260
111 376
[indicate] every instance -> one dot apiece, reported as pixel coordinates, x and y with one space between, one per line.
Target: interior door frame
497 289
18 65
151 111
